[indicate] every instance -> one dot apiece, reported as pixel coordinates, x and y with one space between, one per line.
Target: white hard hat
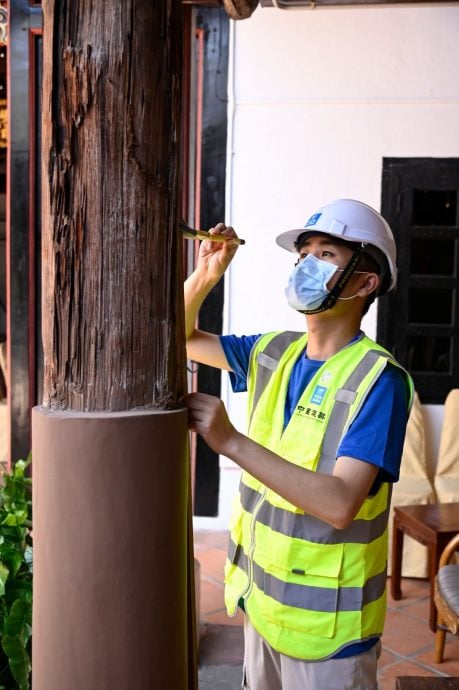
352 221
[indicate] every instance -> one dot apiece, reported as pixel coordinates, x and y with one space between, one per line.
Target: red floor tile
450 665
212 562
387 658
405 634
411 589
221 618
212 596
405 667
204 539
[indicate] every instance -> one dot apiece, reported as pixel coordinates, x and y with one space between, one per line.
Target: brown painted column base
110 550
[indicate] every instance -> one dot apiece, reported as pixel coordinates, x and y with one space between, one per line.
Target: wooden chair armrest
448 551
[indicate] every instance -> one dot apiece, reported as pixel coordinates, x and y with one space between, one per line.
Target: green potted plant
15 578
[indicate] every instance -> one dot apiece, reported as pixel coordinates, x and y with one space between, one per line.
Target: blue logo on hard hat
313 219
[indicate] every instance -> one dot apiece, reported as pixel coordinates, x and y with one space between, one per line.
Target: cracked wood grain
112 284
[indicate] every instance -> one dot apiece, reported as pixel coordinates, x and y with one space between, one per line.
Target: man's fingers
197 405
222 229
202 411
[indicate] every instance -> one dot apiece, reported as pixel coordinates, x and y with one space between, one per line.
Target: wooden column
112 600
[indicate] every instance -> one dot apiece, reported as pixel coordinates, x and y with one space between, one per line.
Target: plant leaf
10 558
18 517
4 572
15 577
19 660
19 621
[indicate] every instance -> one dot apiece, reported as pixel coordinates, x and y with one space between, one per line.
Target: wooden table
426 683
433 525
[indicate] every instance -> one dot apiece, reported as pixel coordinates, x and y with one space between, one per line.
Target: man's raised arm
213 260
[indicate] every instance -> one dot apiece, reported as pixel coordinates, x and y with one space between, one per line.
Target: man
327 416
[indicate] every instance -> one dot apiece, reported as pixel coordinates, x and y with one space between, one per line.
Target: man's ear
370 284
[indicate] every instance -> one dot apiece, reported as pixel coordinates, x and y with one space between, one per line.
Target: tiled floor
408 643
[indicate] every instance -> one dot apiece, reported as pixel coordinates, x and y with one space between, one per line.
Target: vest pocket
303 596
318 624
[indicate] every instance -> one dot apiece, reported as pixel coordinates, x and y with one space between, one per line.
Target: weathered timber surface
112 283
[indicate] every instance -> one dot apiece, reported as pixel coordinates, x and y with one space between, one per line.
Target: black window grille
419 322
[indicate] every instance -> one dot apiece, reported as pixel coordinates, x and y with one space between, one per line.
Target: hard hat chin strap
346 275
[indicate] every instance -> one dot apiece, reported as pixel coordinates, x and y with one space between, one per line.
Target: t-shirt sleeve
237 350
378 432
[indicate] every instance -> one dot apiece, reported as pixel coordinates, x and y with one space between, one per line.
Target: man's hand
208 417
215 257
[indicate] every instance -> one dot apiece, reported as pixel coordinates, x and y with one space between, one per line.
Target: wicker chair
446 597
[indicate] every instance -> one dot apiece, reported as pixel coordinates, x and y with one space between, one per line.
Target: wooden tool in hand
192 234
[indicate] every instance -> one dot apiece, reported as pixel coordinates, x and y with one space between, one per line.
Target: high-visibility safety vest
308 588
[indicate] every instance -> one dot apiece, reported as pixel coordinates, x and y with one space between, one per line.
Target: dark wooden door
22 280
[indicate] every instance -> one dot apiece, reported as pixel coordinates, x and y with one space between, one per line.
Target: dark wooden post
111 600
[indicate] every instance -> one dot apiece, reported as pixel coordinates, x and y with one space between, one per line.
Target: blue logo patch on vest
313 219
318 395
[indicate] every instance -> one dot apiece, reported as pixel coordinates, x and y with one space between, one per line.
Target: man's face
326 248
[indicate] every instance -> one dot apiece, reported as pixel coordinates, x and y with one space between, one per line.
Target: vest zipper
246 592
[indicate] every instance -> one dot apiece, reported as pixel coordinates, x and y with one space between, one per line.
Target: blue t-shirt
378 431
376 435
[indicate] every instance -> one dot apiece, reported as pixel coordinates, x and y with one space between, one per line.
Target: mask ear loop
330 299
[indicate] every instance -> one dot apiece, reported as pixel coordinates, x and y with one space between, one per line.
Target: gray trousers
266 669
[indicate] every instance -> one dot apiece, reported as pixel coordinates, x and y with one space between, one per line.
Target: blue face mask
307 284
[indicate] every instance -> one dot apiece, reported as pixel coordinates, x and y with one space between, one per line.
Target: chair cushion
447 471
448 586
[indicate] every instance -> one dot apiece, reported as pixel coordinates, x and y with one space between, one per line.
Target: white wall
317 99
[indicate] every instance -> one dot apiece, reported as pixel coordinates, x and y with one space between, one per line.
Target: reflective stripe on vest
269 359
312 598
340 414
309 528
